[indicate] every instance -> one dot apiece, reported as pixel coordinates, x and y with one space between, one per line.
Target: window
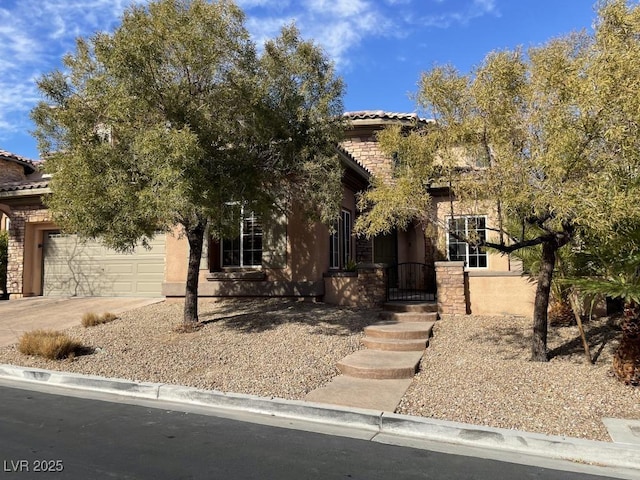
340 242
470 227
245 250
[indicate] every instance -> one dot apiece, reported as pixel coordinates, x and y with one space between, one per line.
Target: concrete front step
395 345
411 306
399 330
382 395
378 364
409 316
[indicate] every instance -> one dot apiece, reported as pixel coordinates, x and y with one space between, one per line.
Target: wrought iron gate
411 281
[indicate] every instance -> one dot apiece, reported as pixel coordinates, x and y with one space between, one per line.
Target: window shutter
274 246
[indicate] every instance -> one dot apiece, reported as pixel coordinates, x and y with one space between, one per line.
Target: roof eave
28 192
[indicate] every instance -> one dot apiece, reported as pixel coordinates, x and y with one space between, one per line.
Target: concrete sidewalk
25 314
617 460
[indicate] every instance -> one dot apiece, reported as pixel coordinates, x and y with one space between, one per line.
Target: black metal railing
411 281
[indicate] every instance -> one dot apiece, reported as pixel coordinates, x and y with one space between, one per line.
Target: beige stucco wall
341 290
499 289
176 256
501 294
496 262
307 261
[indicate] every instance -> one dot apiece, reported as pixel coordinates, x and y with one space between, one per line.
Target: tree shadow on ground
259 315
510 335
598 337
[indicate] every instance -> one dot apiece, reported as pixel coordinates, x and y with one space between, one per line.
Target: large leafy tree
174 115
548 139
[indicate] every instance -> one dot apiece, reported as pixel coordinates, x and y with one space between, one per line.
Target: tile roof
382 115
26 162
342 148
25 185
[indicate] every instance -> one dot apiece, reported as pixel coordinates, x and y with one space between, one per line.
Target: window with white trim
469 227
340 253
245 250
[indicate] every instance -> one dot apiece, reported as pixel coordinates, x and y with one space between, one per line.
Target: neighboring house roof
30 165
380 117
26 185
34 183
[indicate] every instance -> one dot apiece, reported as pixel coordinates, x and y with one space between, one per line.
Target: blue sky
380 46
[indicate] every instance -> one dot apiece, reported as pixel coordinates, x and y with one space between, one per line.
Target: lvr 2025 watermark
16 466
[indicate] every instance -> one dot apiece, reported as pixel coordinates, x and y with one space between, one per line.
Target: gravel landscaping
476 369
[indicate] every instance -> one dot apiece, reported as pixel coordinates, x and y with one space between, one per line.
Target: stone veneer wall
366 150
20 216
451 284
372 285
11 172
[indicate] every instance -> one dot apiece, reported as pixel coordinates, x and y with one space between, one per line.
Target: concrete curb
561 448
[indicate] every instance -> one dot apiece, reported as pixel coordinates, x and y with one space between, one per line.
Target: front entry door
385 248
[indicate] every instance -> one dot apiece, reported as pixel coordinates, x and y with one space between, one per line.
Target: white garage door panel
72 267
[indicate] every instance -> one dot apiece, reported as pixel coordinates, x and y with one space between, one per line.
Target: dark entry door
385 248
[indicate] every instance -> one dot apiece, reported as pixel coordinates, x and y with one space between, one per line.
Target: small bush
48 344
91 319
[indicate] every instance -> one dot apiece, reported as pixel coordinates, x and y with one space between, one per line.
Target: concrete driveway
25 314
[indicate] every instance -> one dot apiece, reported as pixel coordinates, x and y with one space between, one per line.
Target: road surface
54 436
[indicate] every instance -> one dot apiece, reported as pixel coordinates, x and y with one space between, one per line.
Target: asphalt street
54 436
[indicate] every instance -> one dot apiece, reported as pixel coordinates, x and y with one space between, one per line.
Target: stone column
450 280
372 285
20 217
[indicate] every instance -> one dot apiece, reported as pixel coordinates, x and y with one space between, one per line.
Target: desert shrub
49 344
108 317
91 319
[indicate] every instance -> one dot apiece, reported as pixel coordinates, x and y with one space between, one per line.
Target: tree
548 139
174 116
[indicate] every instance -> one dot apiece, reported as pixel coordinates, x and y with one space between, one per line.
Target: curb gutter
556 447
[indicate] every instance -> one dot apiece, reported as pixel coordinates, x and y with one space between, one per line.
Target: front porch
372 285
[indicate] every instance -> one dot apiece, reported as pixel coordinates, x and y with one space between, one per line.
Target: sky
380 47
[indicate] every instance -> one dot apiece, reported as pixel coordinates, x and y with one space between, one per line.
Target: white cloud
34 34
337 25
444 17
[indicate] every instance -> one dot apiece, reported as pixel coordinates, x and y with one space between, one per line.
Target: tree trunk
540 322
576 314
195 235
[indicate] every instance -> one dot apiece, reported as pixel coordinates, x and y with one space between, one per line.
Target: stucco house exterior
287 257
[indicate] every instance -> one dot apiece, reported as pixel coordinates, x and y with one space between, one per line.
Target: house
280 257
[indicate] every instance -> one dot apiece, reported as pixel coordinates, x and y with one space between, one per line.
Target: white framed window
472 227
245 250
340 251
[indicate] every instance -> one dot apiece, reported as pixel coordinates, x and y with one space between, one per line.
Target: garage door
77 268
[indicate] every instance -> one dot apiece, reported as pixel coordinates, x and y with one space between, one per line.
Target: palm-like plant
614 270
